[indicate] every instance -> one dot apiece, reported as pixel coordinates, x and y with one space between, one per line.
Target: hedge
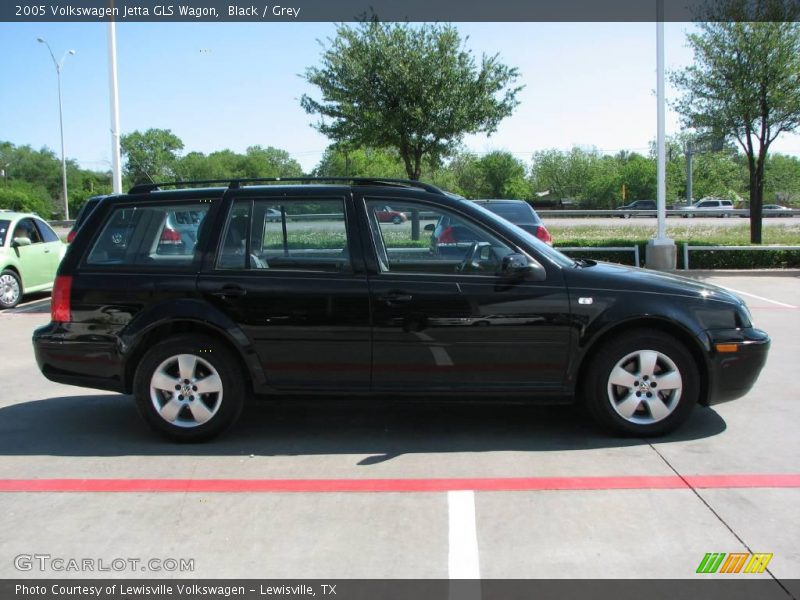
698 259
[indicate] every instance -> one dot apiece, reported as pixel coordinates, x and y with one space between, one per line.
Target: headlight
744 316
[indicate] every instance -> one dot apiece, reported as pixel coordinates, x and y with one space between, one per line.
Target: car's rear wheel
189 388
10 289
643 383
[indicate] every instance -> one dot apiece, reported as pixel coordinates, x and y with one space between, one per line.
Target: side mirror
429 227
22 241
519 266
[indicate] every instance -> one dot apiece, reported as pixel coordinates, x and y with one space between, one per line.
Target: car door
445 318
34 259
296 286
54 247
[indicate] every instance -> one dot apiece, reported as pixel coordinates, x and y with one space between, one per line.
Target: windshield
518 213
548 252
4 224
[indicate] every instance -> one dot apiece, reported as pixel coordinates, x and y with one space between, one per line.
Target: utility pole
59 64
661 252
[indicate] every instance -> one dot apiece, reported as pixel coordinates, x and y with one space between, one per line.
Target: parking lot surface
321 490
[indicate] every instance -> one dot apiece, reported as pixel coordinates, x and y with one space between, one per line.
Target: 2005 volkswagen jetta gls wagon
329 298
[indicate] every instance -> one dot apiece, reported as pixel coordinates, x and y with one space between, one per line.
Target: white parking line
757 297
463 560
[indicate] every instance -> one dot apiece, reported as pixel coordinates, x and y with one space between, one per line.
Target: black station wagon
298 287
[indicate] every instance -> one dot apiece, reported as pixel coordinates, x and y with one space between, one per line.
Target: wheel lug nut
654 384
177 387
180 397
649 394
186 381
638 394
194 388
635 383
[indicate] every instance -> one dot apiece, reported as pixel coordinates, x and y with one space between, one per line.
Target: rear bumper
81 361
736 359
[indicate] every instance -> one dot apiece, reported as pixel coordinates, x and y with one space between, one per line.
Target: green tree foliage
32 181
744 83
151 156
341 161
412 88
782 179
503 176
257 162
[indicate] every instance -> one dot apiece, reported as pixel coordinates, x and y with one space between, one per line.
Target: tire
631 364
10 289
397 220
196 358
626 216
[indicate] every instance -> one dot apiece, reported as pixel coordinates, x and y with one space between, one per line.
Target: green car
30 252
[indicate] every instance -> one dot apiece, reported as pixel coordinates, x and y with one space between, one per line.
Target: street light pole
59 65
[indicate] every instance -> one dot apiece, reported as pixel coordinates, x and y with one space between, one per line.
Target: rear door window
294 235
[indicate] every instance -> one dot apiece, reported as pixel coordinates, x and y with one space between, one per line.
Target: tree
503 176
415 89
744 83
151 156
343 161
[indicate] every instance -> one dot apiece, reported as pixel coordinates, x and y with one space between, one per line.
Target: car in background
387 215
30 252
629 210
709 207
273 215
521 214
776 210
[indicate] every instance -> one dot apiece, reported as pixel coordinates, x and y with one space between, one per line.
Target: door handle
396 298
230 291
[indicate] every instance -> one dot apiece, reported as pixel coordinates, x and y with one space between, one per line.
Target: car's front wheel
10 289
189 388
643 383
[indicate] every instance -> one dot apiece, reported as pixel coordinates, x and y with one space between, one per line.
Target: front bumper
736 357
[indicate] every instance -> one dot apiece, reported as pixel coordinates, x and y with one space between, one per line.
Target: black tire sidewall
19 284
595 389
220 357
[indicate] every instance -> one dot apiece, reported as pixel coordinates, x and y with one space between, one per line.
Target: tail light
71 236
544 235
60 307
170 236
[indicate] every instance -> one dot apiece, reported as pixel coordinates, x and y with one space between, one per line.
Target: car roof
11 214
500 201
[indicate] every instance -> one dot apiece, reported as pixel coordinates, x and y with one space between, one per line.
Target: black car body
334 301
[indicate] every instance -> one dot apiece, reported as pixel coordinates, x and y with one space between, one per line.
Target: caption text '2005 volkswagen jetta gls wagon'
220 293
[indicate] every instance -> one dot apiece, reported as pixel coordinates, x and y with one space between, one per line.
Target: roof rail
234 183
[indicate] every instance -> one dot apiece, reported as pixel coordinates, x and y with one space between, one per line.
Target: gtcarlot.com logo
735 562
58 564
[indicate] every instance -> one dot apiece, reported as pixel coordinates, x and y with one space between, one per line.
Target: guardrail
687 248
672 212
634 249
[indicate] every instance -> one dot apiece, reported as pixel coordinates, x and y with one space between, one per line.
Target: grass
680 232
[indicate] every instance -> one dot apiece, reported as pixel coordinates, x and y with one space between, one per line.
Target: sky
234 85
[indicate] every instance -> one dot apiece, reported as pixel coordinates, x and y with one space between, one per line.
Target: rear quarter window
155 236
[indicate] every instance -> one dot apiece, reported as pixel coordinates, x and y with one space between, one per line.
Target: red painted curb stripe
401 485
